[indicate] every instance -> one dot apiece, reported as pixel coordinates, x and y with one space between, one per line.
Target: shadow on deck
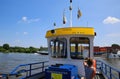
99 76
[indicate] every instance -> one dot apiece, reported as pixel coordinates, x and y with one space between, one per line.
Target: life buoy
94 63
94 66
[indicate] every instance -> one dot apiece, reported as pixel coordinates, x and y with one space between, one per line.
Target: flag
54 24
64 19
79 13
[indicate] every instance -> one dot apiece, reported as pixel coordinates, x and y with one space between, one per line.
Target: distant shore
7 49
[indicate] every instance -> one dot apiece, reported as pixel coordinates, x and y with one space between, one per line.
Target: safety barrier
107 70
26 70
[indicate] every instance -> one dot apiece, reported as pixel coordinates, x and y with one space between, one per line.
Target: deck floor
99 76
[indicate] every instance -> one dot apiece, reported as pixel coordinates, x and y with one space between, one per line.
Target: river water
114 62
8 61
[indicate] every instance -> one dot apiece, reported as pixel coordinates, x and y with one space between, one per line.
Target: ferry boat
67 48
112 55
42 52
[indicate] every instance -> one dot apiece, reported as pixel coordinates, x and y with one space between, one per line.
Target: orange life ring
94 65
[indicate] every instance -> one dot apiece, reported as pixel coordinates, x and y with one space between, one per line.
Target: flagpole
70 8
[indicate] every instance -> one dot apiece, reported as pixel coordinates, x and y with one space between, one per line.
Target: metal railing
107 70
26 70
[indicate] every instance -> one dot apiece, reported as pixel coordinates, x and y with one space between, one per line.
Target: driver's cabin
70 45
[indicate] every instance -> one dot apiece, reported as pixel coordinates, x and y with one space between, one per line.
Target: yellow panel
71 31
56 76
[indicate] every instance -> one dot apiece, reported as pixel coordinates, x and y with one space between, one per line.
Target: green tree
115 45
27 50
43 49
115 48
2 49
32 49
6 46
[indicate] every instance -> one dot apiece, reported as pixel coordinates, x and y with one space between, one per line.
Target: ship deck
99 76
42 76
104 71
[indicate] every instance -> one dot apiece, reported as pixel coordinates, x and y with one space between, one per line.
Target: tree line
6 48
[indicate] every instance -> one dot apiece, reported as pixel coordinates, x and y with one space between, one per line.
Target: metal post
110 73
42 66
119 75
7 77
105 69
102 66
30 70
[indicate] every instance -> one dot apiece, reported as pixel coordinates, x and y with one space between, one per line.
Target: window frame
57 49
78 46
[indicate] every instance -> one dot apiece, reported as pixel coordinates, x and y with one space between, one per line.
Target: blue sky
25 22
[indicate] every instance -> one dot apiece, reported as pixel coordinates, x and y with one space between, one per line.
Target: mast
70 8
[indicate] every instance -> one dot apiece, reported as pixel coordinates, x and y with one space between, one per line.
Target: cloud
25 19
114 35
33 20
111 20
25 33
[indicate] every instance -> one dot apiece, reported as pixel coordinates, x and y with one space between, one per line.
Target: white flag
64 19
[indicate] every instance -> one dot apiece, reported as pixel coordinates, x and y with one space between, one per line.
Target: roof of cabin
70 31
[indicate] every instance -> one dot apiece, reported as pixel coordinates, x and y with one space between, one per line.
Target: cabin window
58 48
79 47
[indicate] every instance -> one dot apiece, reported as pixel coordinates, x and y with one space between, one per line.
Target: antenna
70 8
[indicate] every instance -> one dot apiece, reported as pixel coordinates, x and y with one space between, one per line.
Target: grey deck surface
42 76
99 76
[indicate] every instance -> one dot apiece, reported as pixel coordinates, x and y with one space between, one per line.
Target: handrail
28 68
15 69
109 71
